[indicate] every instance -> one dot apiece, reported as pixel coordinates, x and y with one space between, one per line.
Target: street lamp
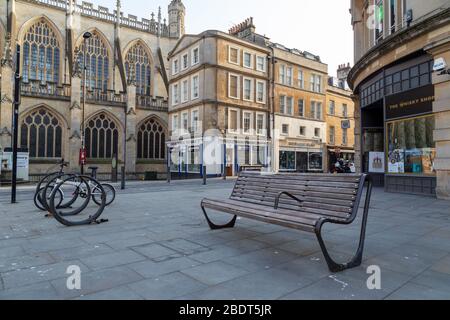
86 37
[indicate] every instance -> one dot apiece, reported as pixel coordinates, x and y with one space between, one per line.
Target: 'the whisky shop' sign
410 103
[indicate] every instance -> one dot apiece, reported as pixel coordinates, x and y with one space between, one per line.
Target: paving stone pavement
157 245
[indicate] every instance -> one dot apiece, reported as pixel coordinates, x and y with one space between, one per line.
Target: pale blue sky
321 27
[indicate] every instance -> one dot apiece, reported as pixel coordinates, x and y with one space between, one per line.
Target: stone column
76 114
131 137
441 109
6 108
358 133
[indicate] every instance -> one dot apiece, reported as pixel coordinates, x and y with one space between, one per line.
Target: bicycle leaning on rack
48 184
67 196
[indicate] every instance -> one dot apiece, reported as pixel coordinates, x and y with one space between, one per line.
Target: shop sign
410 103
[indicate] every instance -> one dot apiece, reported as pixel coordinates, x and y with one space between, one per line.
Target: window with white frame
195 87
289 72
247 122
260 123
175 66
260 91
316 83
332 135
195 56
282 74
301 81
185 61
332 108
175 96
184 121
345 136
290 105
317 132
175 122
233 120
344 110
233 86
248 60
233 55
285 129
282 104
316 110
301 108
302 131
248 89
260 63
194 120
184 91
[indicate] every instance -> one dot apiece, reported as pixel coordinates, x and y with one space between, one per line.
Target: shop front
301 158
220 156
397 121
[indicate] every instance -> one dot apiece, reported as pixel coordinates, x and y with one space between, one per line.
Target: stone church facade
126 109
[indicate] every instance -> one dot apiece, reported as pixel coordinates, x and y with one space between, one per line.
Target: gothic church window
41 54
41 133
151 143
97 62
102 137
139 57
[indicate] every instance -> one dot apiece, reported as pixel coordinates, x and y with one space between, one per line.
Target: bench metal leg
357 259
214 226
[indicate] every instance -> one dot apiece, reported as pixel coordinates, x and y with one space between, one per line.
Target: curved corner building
401 84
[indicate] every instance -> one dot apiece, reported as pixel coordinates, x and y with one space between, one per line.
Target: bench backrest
323 194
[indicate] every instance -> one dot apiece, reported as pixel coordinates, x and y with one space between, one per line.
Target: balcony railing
37 88
99 96
152 103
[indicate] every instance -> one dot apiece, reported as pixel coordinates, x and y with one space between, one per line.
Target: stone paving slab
158 246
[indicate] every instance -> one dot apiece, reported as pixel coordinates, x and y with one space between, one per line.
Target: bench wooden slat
331 198
269 200
280 184
288 221
340 204
315 177
322 212
301 182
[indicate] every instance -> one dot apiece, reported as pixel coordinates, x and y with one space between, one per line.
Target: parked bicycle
49 183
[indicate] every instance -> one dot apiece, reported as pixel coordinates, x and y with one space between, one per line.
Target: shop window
411 148
287 160
315 161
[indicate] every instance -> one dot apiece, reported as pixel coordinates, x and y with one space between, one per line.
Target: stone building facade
218 93
340 118
402 83
126 111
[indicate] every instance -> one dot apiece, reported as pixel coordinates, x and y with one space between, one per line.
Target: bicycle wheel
39 189
50 187
110 194
84 214
38 202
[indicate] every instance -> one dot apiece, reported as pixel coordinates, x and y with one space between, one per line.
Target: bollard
204 175
122 185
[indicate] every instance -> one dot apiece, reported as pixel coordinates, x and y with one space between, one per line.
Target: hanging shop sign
409 103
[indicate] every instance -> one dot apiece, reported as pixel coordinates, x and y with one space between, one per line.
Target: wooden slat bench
299 201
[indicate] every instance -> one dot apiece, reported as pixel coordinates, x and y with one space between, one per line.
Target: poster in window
396 161
376 162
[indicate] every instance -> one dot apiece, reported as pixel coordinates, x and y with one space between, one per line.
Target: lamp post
86 37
